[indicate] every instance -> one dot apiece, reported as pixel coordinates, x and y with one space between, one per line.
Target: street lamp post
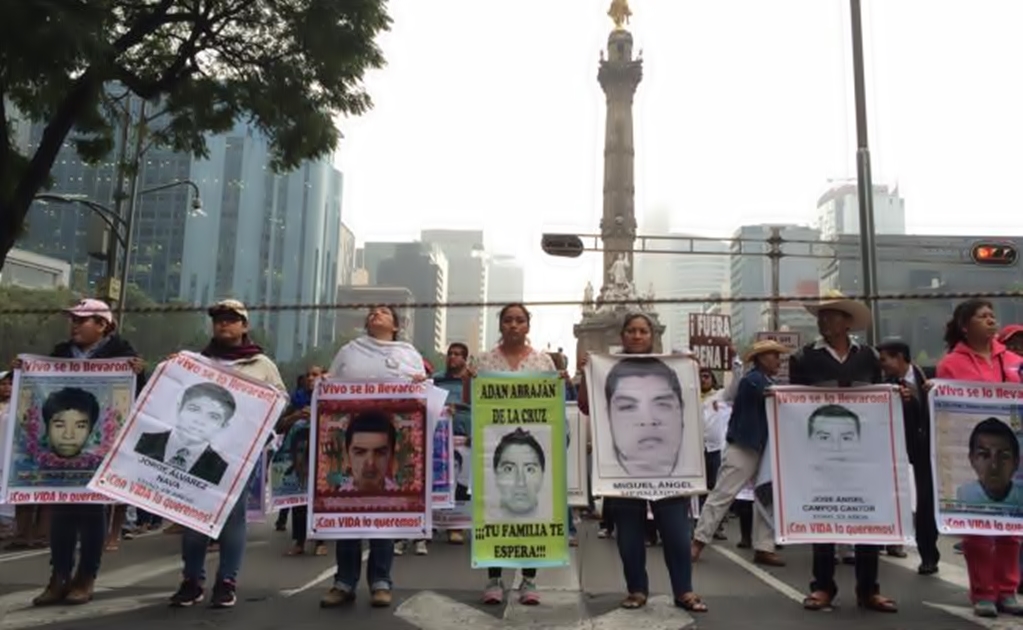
864 183
121 227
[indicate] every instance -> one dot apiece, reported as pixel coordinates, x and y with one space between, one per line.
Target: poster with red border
191 442
839 466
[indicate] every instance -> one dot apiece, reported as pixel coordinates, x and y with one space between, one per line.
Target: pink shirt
963 364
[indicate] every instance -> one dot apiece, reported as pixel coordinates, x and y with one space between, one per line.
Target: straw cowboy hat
763 347
835 301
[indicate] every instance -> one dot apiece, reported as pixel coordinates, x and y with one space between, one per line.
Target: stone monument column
619 76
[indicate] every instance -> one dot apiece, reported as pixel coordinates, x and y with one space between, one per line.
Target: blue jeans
348 555
232 548
70 525
671 517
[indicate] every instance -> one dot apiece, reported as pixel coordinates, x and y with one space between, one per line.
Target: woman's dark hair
961 316
508 307
633 317
394 316
519 437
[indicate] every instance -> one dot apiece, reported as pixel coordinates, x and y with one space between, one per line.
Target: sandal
634 601
817 600
691 602
879 603
321 549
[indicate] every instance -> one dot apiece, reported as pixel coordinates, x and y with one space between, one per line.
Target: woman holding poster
975 355
514 354
231 347
375 355
671 515
92 336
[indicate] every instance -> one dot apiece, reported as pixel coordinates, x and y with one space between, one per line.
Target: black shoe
223 595
189 593
927 568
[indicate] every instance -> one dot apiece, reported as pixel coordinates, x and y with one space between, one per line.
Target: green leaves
289 67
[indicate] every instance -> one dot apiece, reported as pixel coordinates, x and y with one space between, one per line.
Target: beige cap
229 306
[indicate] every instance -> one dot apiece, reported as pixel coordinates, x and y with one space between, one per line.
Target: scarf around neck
245 350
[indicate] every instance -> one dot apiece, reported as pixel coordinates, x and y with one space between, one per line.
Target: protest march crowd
505 449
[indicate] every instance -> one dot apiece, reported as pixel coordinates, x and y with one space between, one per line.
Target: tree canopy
286 66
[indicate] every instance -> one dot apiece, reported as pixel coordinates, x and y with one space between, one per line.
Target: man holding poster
67 412
173 489
837 360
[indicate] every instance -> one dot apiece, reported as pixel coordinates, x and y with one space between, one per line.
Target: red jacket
963 364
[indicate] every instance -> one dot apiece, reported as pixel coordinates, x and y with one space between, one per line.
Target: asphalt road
440 592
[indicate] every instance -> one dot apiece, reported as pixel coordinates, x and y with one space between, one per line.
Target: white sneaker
421 549
399 548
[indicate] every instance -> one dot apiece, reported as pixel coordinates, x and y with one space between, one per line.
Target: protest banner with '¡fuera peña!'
371 452
519 507
976 438
63 418
191 443
710 339
839 468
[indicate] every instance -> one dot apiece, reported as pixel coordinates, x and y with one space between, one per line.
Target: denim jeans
348 555
671 517
232 548
298 524
72 524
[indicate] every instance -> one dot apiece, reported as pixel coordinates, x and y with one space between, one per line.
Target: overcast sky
489 115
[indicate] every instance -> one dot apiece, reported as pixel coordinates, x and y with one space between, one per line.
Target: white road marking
966 614
759 573
558 610
325 575
556 578
16 608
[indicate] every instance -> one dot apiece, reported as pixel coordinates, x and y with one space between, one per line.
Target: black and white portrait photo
517 474
645 418
205 409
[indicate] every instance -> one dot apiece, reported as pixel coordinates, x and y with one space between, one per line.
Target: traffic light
994 254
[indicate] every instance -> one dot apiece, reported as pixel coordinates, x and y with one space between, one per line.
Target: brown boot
54 593
81 590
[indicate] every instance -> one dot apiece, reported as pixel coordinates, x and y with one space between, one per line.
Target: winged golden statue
620 13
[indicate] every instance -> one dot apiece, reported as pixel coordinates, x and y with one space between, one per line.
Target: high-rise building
266 238
423 270
506 284
680 273
370 255
751 272
59 230
346 256
467 282
838 210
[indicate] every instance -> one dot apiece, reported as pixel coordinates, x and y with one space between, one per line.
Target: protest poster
577 496
519 507
975 446
289 469
788 339
191 442
443 496
839 469
710 339
645 415
370 455
256 493
64 416
460 516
